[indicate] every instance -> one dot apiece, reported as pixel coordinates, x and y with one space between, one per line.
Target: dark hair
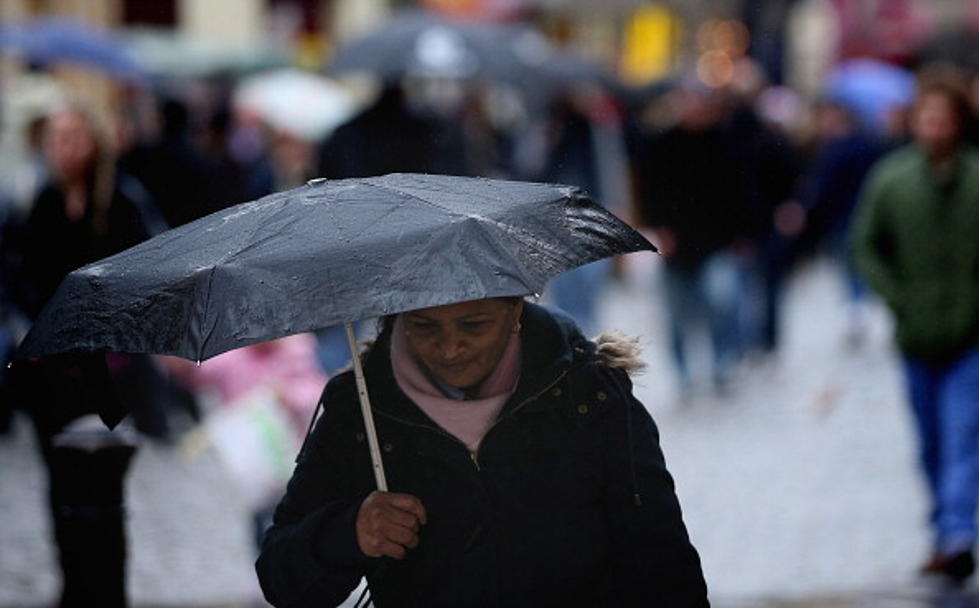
952 92
385 324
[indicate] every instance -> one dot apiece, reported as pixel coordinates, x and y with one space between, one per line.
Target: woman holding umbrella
522 469
524 473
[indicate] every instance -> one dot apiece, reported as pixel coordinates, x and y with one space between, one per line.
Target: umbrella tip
315 181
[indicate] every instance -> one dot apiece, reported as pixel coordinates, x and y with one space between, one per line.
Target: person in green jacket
916 241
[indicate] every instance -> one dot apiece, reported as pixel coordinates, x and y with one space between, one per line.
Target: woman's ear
517 311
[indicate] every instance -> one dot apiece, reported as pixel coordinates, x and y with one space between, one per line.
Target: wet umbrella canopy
322 254
326 253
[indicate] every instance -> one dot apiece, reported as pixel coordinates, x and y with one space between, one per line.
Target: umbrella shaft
365 408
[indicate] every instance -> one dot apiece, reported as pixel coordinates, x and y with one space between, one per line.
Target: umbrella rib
502 247
510 227
251 242
414 196
203 321
429 203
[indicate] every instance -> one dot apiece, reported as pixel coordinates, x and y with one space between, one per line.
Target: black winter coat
545 514
690 183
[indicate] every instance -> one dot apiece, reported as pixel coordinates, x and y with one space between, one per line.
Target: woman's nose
450 346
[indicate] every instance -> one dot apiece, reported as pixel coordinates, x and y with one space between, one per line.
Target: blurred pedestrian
769 165
692 195
917 244
260 399
570 157
387 137
828 193
172 168
85 212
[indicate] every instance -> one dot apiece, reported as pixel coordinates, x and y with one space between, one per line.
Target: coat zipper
474 455
516 408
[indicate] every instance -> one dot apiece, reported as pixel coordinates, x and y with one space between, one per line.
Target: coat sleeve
654 562
310 555
872 241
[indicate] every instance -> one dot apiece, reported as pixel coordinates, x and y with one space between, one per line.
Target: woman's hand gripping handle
388 524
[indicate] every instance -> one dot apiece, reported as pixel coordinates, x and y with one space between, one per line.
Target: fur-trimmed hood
618 350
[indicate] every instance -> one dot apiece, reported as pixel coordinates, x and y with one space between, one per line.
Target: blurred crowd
736 182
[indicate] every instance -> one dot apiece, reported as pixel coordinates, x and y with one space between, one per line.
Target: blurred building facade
795 41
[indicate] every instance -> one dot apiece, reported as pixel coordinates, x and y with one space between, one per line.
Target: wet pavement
798 488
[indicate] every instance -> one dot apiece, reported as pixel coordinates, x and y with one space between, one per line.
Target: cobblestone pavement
799 488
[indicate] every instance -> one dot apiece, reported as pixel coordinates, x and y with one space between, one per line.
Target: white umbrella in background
303 104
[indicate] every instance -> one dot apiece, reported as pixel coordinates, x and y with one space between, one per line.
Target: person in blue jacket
523 472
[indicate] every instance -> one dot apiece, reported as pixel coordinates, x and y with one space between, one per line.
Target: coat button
360 437
388 447
582 409
602 396
556 392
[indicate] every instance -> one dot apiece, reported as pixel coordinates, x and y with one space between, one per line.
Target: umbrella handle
365 409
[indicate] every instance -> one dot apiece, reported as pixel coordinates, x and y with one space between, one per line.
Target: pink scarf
467 420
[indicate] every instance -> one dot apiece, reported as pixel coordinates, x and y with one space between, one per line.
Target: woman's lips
454 367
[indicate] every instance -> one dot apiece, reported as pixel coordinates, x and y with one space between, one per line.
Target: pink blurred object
287 366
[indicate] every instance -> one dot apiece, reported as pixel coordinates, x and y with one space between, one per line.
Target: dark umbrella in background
558 71
327 253
60 40
416 43
426 45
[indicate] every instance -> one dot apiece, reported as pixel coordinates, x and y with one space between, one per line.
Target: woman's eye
423 327
474 325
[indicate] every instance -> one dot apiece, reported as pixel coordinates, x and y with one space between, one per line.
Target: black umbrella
416 43
420 44
326 253
557 70
423 44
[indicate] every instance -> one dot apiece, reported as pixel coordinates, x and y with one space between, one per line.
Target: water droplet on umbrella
10 364
198 363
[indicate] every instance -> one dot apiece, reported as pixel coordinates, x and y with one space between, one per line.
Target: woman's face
69 145
461 343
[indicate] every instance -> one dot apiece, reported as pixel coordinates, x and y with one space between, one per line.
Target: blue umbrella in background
61 40
871 88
